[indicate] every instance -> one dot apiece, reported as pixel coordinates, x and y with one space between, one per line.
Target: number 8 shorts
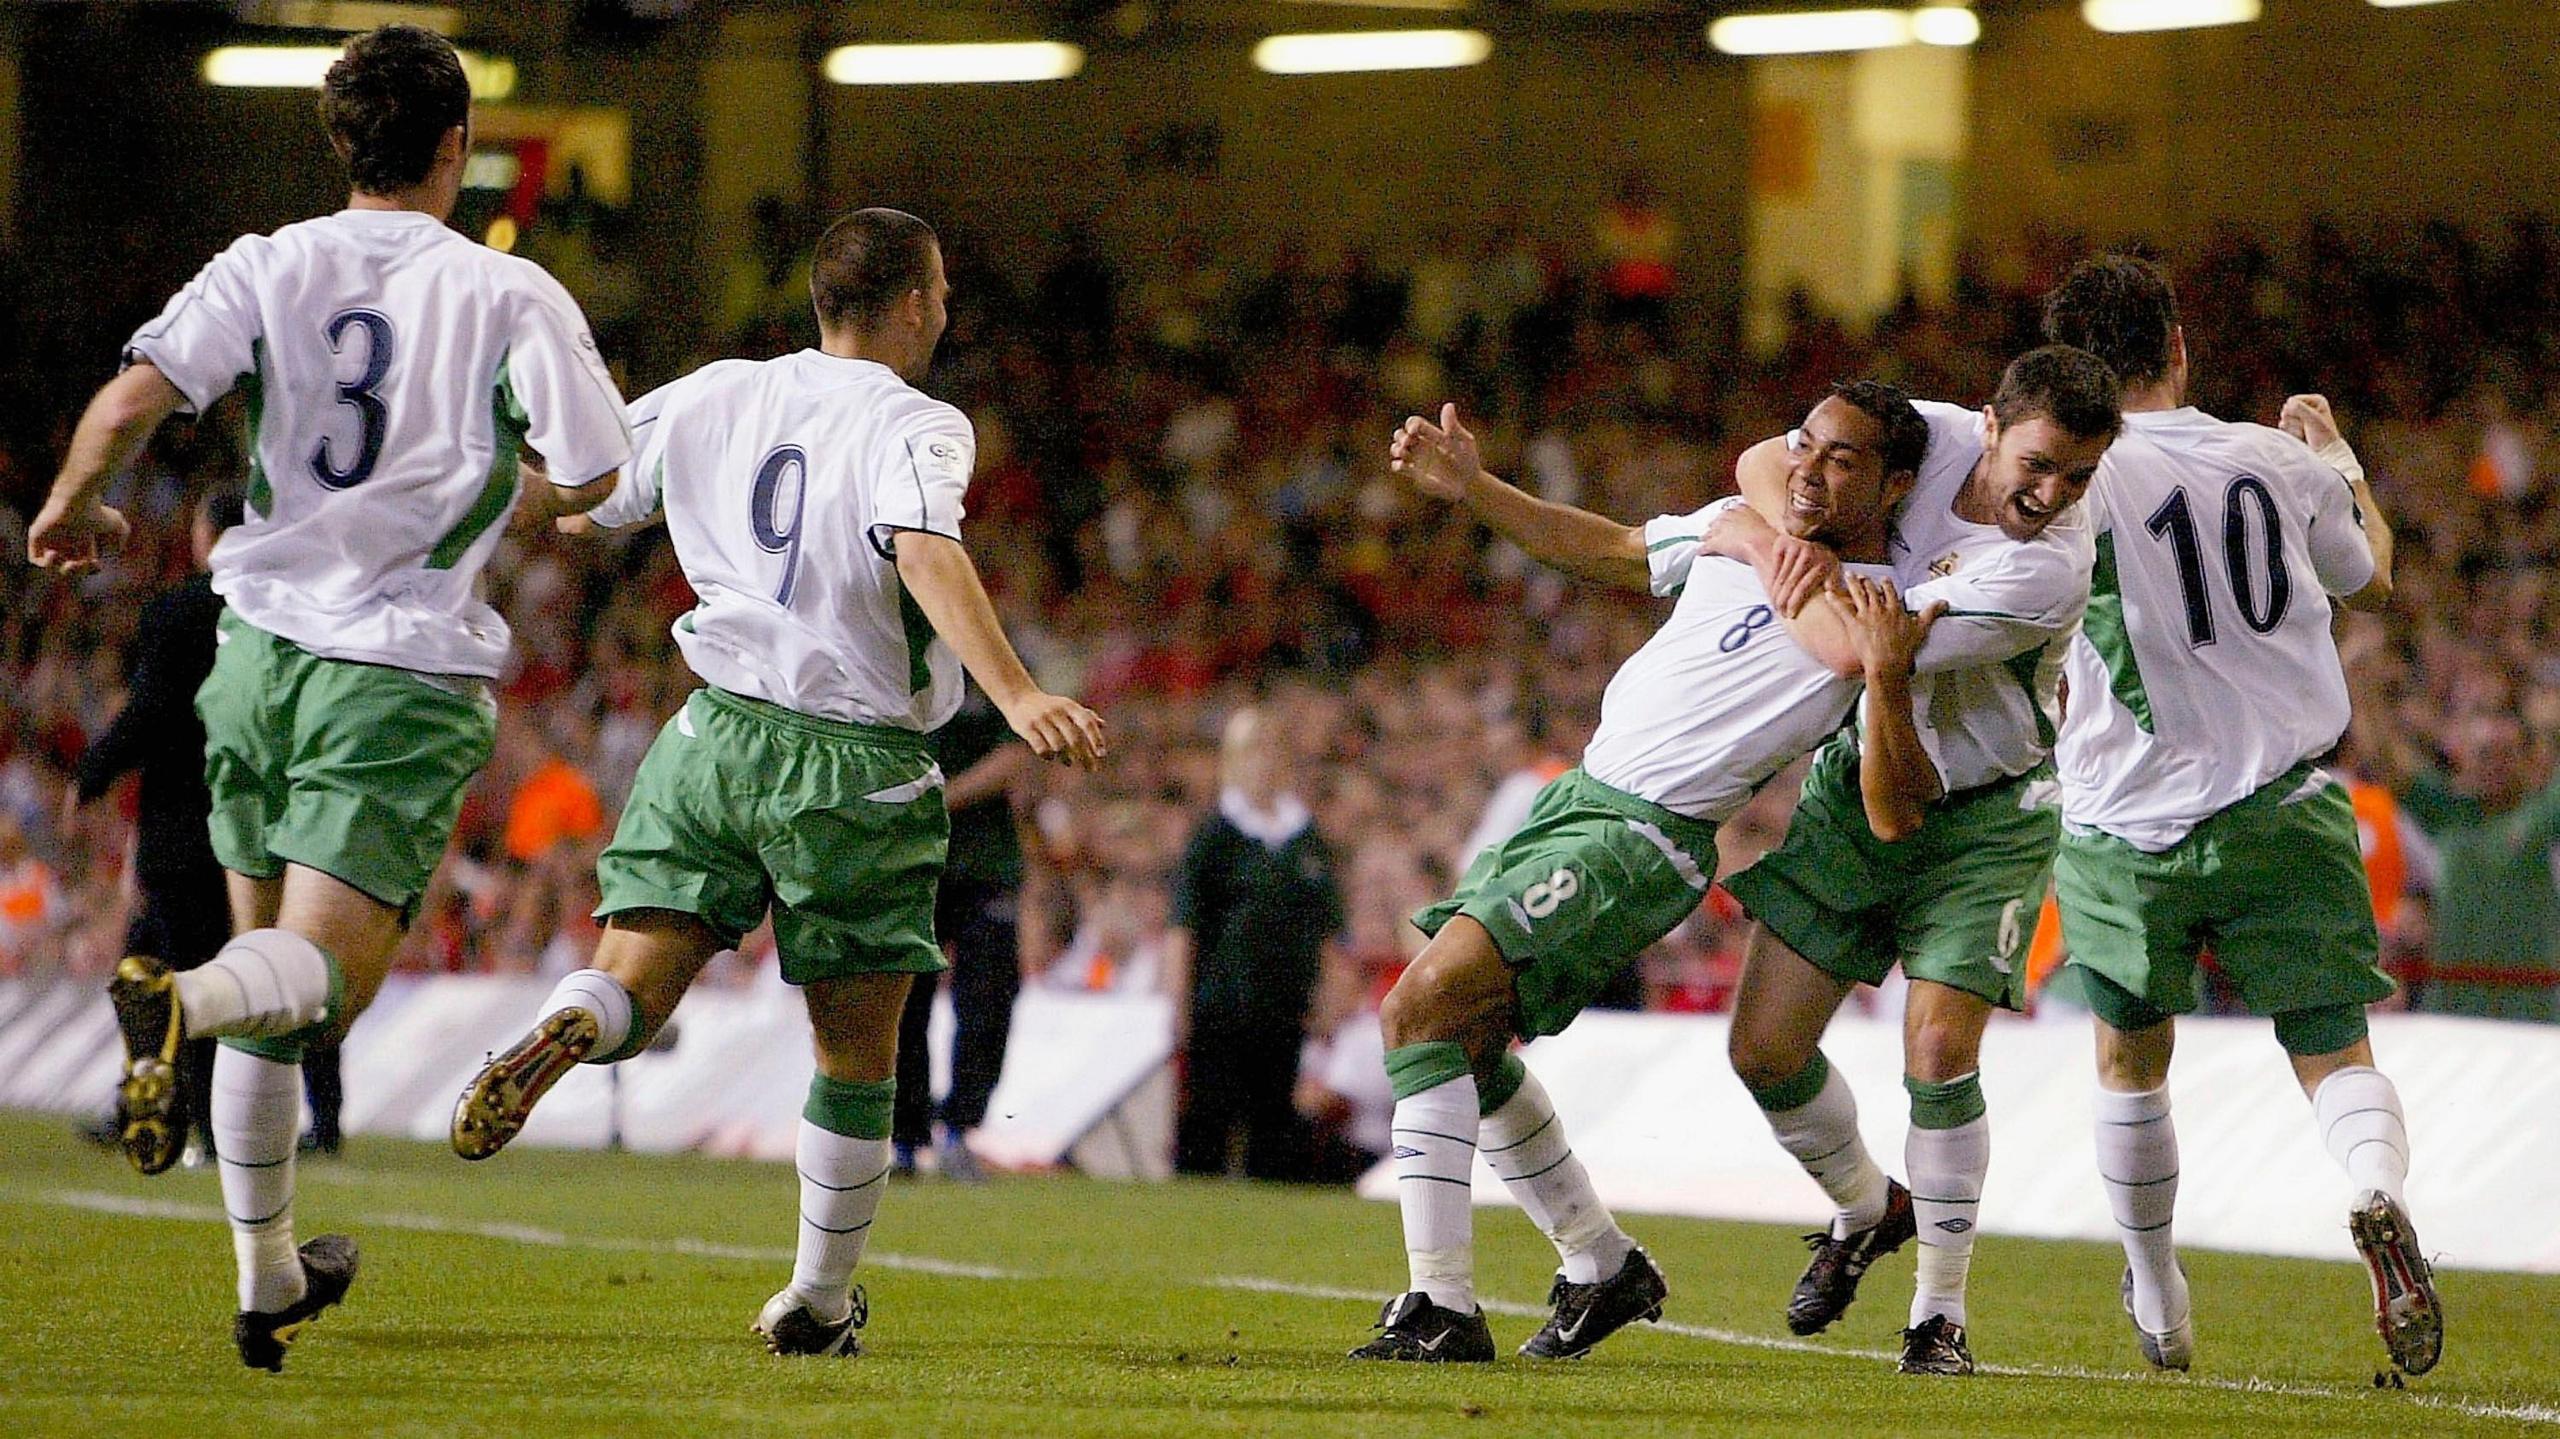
1592 878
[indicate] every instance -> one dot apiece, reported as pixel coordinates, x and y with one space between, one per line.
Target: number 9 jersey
393 370
785 483
2205 667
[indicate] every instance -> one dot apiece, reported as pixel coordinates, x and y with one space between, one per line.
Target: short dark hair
388 102
2065 384
1906 435
865 263
2121 309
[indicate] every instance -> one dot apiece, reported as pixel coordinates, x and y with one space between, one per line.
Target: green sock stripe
1796 1090
1495 1090
632 1043
856 1111
337 993
1417 1067
1951 1105
277 1048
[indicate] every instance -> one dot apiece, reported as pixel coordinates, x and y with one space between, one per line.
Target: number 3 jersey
2206 667
785 483
393 370
1720 698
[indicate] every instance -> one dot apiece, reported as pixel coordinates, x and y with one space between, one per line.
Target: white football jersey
1721 697
1984 695
2206 668
784 482
393 371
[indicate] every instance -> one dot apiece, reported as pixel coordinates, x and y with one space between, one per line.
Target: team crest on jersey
1946 564
943 450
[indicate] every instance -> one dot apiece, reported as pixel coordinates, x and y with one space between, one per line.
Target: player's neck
419 199
845 345
2168 394
1868 549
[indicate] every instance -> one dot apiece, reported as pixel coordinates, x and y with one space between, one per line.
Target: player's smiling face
2036 470
1835 473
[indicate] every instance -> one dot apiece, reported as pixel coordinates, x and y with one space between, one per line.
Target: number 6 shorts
836 829
1954 904
1593 877
354 770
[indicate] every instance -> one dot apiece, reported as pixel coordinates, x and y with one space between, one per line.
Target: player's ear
1898 485
455 146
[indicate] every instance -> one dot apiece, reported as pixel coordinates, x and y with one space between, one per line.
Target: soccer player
1612 856
1989 531
2204 689
394 371
814 502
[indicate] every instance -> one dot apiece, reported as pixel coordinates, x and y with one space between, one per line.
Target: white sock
266 982
601 995
1525 1144
2138 1164
2358 1111
1435 1151
1947 1166
1823 1137
257 1120
840 1182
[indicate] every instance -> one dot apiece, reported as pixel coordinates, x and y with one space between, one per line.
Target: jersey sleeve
573 413
644 481
922 477
1671 544
2340 553
2024 597
207 337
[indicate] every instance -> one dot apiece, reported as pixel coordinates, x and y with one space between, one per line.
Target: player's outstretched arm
2308 418
1896 778
73 528
937 572
1443 461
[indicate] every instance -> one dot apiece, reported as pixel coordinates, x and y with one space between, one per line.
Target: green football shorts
355 770
1954 904
837 829
2274 886
1593 877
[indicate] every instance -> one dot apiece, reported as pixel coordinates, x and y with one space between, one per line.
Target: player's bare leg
2358 1111
1782 1007
644 963
843 1160
1947 1153
2137 1146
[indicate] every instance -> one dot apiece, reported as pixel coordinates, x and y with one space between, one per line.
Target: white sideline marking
100 1202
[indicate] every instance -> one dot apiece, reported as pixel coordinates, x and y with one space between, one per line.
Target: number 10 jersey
392 371
2205 667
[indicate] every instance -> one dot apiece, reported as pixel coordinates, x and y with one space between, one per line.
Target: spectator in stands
1255 913
2496 919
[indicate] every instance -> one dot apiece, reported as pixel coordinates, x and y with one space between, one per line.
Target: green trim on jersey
2022 667
919 640
1659 545
2104 625
253 392
509 421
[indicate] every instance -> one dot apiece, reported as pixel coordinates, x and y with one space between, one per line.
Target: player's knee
1759 1057
1416 1011
1942 1048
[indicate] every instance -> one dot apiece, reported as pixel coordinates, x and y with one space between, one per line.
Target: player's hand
576 525
2307 418
74 540
1441 460
1886 635
1059 730
1796 571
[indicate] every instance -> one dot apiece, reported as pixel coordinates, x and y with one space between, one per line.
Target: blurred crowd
1181 507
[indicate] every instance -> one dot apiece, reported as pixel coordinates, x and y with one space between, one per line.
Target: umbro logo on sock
1957 1225
1404 1151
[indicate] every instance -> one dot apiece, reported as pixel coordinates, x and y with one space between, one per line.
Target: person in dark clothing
1255 911
184 916
977 916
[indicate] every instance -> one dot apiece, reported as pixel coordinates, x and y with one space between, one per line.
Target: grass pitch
549 1292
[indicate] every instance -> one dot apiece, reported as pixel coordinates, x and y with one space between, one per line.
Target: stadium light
303 67
1004 63
1371 50
1815 32
2122 17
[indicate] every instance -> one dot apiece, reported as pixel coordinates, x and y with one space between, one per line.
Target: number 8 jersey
785 483
2205 667
393 370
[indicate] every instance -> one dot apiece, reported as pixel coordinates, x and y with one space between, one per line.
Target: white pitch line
101 1202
